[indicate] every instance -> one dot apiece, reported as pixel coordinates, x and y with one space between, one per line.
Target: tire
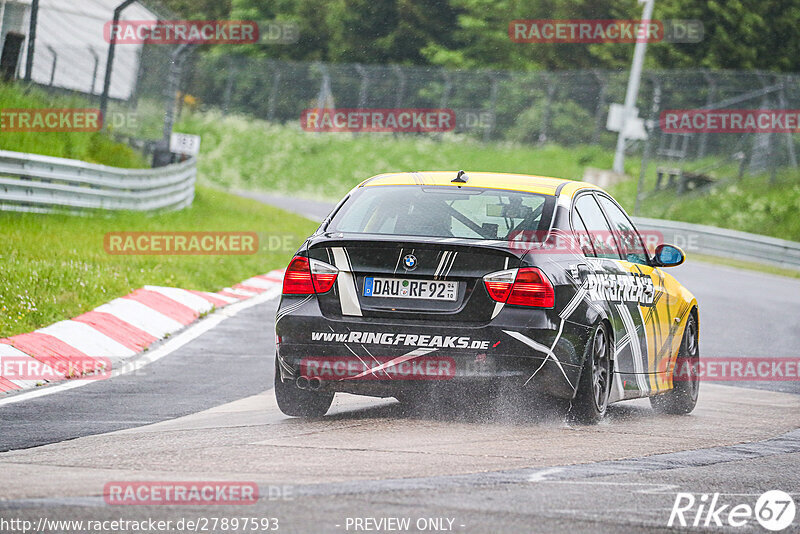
682 398
299 402
591 401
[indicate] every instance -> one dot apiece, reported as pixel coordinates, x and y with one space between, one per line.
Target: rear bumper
364 356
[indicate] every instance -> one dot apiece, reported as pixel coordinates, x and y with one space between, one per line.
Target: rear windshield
467 213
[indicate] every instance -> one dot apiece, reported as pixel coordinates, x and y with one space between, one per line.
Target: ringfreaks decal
620 288
414 340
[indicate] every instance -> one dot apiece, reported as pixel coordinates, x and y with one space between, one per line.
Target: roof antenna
461 178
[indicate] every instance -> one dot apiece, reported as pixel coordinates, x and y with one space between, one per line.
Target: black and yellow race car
441 279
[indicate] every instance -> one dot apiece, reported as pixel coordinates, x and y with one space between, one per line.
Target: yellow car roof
542 185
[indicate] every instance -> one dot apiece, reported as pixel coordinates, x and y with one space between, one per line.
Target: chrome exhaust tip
314 383
302 382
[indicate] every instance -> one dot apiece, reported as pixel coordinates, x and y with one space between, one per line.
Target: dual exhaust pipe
312 384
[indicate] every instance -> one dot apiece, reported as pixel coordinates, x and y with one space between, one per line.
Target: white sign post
633 85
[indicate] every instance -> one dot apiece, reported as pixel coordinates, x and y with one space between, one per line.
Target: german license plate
409 289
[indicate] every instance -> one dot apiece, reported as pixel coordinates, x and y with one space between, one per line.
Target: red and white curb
120 329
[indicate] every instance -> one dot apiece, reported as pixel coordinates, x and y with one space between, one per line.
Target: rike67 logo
774 510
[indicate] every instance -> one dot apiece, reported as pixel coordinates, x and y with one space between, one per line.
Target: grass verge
746 265
753 204
246 153
55 267
93 147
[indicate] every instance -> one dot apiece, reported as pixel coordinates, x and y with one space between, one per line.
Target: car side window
602 238
583 236
631 242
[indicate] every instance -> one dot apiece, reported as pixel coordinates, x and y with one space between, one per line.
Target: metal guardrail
726 243
43 184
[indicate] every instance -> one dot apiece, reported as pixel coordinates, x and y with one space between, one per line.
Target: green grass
93 147
743 264
751 205
55 267
245 153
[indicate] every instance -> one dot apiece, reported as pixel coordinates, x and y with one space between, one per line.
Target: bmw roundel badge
410 262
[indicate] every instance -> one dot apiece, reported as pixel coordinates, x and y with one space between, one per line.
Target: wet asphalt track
504 483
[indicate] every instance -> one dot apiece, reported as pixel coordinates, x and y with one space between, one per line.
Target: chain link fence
565 107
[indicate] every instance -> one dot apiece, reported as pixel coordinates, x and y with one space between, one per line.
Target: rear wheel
594 386
682 398
300 402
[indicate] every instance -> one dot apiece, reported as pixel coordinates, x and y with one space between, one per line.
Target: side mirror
669 256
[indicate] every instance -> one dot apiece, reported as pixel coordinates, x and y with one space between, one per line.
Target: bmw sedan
426 280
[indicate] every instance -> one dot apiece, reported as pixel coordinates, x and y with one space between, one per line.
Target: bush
570 124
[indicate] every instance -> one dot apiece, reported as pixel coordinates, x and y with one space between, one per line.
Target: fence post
548 102
789 139
712 94
401 92
487 134
163 155
362 88
228 94
133 101
273 94
94 70
601 105
654 110
31 40
55 62
324 89
448 85
110 59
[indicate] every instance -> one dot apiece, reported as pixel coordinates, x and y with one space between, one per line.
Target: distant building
70 49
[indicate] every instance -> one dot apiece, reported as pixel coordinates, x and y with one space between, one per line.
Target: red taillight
297 279
304 276
499 284
532 288
323 276
523 287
